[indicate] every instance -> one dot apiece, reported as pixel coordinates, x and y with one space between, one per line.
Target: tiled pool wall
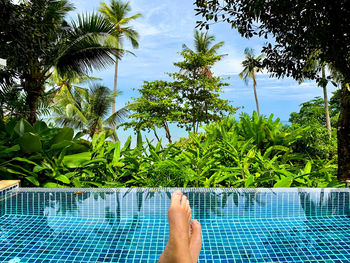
206 203
5 193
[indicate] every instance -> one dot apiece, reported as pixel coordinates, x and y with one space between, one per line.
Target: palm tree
313 64
203 43
88 109
43 39
250 65
117 14
323 83
199 63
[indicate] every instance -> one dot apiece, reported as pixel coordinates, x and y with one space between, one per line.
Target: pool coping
4 184
172 189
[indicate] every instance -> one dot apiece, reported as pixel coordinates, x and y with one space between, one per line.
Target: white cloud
146 30
228 66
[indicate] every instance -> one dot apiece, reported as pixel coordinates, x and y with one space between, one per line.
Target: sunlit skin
185 241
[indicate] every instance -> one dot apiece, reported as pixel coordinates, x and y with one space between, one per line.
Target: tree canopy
294 31
36 37
192 99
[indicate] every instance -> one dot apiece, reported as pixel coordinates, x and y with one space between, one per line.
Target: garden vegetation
58 124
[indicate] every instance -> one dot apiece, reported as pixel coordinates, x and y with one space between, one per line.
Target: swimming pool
130 225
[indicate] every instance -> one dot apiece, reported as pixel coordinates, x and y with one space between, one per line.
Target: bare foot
182 246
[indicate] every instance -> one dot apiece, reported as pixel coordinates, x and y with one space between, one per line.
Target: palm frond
118 116
126 20
117 14
132 36
84 51
213 50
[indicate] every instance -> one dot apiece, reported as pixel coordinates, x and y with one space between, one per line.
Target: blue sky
164 27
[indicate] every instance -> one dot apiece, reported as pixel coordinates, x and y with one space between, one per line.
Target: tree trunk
155 134
255 94
33 94
343 132
115 87
324 86
167 131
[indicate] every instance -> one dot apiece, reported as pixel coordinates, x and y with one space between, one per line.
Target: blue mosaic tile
131 226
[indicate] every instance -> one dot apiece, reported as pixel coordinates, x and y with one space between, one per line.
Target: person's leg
183 246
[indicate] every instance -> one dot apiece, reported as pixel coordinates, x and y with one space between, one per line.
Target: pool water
238 225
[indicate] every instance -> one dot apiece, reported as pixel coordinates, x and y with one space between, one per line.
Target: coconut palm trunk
325 96
115 87
32 102
255 93
117 13
250 65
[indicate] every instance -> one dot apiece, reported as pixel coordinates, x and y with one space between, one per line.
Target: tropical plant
314 65
54 157
312 112
203 44
316 140
117 14
198 94
156 108
224 156
251 65
87 109
192 99
12 102
40 38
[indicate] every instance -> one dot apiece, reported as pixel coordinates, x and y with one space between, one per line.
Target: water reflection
120 226
324 203
114 206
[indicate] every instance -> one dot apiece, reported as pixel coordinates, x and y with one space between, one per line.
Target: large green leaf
307 168
50 184
24 160
77 148
31 179
249 182
65 134
30 142
62 178
76 160
40 128
61 145
22 127
116 153
5 151
284 182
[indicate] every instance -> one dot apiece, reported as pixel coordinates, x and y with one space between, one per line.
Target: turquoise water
131 226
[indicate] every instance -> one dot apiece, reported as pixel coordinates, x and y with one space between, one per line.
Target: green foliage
192 99
87 109
198 92
310 29
156 107
249 152
38 38
315 140
35 153
295 37
312 112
